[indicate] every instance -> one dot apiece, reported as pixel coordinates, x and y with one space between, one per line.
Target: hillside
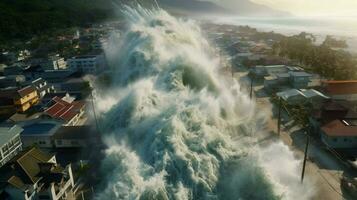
22 18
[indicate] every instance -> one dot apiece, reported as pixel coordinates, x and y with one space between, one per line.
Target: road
324 169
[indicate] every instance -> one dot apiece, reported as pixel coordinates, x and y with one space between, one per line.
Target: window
335 140
42 142
74 142
59 142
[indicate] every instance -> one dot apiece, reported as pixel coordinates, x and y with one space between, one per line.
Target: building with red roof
69 112
341 90
340 133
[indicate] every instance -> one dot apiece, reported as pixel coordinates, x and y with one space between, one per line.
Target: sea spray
173 126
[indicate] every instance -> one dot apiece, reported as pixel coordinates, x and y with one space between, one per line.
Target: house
32 72
292 96
300 79
55 63
340 133
39 132
57 75
13 70
42 87
34 174
276 82
269 70
69 112
314 97
10 142
270 82
258 71
275 69
328 112
341 90
76 137
25 98
11 81
90 64
21 99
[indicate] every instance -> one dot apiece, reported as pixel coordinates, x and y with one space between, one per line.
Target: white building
10 142
42 87
91 64
55 63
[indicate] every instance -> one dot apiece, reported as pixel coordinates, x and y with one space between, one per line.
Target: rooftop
341 87
26 91
289 93
63 110
7 132
40 128
340 128
76 132
302 74
25 168
85 57
313 93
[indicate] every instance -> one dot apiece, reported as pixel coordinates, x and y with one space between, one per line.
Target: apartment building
10 142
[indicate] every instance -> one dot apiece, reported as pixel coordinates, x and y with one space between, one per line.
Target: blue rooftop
44 128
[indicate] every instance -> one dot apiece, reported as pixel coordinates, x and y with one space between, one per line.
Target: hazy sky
314 7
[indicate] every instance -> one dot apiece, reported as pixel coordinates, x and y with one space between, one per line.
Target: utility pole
305 157
94 113
279 116
251 87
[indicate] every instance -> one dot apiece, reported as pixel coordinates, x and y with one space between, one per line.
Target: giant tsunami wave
175 129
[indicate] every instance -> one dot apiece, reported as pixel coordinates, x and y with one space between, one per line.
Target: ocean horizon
340 27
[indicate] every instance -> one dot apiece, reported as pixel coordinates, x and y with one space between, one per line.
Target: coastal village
50 142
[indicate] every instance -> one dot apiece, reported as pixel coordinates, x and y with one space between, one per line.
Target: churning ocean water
175 129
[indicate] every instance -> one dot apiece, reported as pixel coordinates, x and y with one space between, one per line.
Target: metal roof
313 93
289 93
300 74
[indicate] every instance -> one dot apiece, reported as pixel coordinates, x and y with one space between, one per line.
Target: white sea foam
175 129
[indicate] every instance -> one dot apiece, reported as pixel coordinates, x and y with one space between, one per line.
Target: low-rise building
341 90
10 142
76 137
42 87
11 81
299 79
340 134
39 132
67 112
21 99
90 64
292 97
314 97
34 174
55 63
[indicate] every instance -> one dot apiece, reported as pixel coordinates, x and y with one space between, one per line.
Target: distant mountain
193 6
237 7
248 8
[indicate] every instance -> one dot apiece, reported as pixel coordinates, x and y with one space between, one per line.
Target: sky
313 7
